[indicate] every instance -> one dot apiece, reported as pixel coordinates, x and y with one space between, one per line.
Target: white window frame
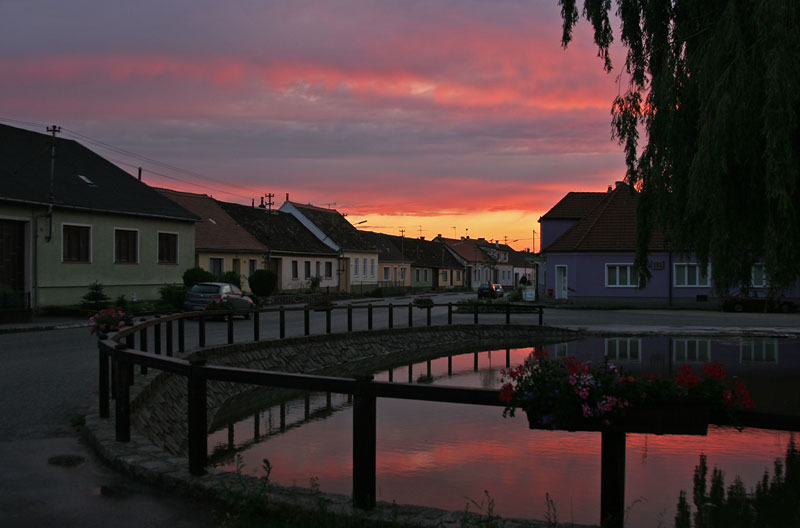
403 273
630 276
758 351
683 349
138 245
686 265
72 224
295 270
613 350
372 268
177 247
387 273
764 283
560 350
355 268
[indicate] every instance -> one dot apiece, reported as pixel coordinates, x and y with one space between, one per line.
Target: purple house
589 241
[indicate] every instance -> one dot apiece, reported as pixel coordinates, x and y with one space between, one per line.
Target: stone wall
159 404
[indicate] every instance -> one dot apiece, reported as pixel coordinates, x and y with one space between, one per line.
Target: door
561 282
12 262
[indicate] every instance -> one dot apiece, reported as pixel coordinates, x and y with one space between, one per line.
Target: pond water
451 456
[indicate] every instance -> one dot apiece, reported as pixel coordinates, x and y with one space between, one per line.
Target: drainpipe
35 263
669 287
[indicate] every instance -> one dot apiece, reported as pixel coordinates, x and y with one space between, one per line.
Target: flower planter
684 417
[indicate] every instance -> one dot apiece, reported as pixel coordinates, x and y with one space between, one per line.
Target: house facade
393 267
478 266
221 244
591 261
298 258
69 218
358 259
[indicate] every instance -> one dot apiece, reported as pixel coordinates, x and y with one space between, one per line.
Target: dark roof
522 259
216 230
574 206
427 253
335 226
81 178
609 226
388 246
468 249
280 232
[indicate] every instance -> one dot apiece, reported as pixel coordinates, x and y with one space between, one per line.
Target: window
364 271
690 275
425 274
307 269
355 270
252 266
621 276
126 246
691 350
417 274
623 349
386 273
759 350
371 267
403 273
316 269
295 272
758 276
216 266
167 248
560 350
329 269
444 276
458 275
76 243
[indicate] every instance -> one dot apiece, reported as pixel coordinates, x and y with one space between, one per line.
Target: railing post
369 316
256 315
157 339
364 446
143 339
105 410
201 332
410 315
181 335
391 316
612 479
349 317
449 313
508 314
306 321
328 320
476 314
541 313
282 312
122 415
230 328
198 428
169 338
429 315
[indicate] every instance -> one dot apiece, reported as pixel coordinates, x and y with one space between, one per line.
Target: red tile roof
216 230
609 226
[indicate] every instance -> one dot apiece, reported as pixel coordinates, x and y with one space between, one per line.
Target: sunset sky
456 117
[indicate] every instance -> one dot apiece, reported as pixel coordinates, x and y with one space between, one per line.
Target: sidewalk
45 322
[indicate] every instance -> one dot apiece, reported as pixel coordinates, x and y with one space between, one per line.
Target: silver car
204 293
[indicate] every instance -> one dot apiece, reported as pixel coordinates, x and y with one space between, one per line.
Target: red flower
576 366
506 392
714 370
687 377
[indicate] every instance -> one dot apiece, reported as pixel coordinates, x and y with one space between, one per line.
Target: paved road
48 379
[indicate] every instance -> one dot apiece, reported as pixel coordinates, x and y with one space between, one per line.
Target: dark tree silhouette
714 85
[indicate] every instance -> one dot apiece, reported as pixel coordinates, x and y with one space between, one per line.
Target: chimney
617 184
262 206
252 202
287 197
609 189
422 238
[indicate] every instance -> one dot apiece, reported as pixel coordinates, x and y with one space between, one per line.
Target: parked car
757 304
203 293
490 291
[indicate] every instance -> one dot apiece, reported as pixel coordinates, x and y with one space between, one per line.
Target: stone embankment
157 451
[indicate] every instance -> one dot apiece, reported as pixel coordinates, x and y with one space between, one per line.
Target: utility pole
270 203
55 130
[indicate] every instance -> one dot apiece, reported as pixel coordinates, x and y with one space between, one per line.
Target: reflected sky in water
447 455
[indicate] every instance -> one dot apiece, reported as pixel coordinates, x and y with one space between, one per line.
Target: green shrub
233 278
95 299
172 296
197 274
263 282
121 302
314 282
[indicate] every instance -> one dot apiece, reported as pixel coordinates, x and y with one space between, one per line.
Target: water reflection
445 455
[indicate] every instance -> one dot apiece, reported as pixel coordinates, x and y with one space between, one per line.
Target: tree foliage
715 87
